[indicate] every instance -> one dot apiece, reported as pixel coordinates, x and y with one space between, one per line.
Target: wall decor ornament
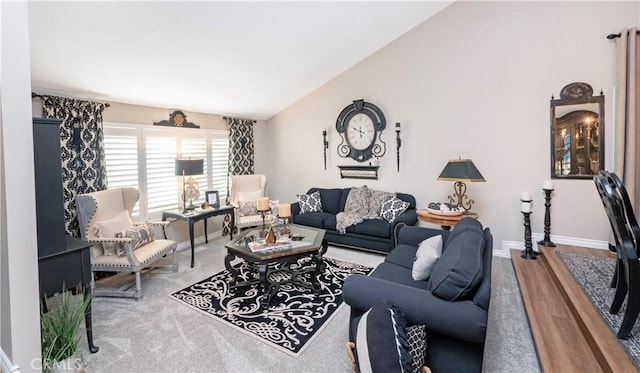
177 119
361 124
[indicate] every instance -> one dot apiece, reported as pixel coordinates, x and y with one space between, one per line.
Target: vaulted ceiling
248 59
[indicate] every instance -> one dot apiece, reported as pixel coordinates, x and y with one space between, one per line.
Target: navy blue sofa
376 235
456 325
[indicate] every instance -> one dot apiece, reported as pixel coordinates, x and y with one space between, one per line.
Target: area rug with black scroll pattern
295 315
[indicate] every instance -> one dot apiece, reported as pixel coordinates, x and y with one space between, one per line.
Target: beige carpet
157 334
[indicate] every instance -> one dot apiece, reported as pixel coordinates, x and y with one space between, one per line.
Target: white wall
473 81
19 318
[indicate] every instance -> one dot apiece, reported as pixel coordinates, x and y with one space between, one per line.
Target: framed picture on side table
213 198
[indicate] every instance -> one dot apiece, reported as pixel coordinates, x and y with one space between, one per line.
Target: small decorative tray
444 213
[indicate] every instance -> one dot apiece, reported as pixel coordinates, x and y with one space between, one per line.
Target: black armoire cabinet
62 260
48 179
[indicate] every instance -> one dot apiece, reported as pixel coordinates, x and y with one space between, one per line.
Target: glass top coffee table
275 265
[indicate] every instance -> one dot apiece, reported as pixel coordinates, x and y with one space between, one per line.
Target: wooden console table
446 222
196 215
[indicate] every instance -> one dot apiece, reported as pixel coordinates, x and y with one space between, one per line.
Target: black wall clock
360 125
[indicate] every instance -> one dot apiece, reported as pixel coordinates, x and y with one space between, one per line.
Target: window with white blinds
143 157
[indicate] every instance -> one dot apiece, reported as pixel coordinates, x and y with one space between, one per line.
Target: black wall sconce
325 144
398 144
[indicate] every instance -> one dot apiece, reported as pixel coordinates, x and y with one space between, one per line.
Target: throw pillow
392 207
108 229
249 196
310 202
426 257
381 340
459 270
247 208
140 235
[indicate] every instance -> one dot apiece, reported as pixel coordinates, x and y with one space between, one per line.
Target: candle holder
286 225
325 146
546 241
263 231
528 252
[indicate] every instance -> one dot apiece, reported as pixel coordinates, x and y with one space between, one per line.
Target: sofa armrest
412 236
461 319
408 217
295 208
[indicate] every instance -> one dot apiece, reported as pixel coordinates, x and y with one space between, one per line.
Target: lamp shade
461 170
189 167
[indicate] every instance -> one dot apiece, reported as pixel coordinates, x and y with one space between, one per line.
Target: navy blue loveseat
376 235
453 303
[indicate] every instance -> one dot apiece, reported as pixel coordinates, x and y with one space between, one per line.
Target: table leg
233 224
192 245
315 282
206 236
234 274
267 288
87 318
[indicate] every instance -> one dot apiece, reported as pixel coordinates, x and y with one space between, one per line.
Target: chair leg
621 287
614 279
138 286
633 303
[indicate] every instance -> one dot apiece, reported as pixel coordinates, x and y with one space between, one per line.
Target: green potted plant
59 332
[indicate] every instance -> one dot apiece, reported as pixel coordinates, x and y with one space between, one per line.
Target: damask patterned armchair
119 244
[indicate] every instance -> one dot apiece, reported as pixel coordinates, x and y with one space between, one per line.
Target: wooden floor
568 332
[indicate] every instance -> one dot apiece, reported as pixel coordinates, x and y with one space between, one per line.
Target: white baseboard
504 251
6 365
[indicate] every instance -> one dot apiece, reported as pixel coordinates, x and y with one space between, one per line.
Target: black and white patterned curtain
82 150
241 154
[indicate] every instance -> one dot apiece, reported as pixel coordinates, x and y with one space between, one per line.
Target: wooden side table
446 222
196 215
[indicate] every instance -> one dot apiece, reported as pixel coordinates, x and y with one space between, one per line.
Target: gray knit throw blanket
362 203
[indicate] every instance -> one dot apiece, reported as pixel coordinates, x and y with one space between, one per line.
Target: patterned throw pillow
392 207
140 235
109 228
310 202
247 208
381 341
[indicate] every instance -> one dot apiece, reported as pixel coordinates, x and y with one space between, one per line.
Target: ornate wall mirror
577 133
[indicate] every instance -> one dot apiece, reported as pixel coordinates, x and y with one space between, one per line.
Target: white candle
525 207
284 210
548 185
525 196
262 203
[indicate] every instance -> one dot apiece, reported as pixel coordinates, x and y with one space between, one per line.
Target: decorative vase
271 236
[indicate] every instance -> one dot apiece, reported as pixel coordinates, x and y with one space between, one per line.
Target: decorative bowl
444 213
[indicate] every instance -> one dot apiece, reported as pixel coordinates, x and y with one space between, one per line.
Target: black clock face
360 125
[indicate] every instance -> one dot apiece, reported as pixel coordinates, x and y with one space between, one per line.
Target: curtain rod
615 36
252 120
35 95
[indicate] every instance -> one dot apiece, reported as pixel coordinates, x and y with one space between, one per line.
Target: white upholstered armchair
119 244
244 191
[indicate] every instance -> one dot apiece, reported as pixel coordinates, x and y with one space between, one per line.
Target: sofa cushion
398 274
426 257
392 207
459 270
372 227
463 225
310 202
312 219
381 340
330 199
330 222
